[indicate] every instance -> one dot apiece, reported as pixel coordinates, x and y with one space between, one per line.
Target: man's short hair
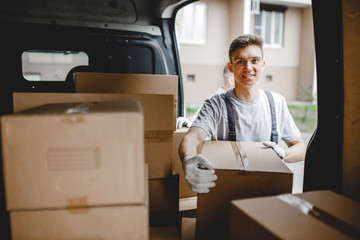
244 41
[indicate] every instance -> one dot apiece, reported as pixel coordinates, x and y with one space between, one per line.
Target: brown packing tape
77 205
158 136
308 208
244 158
75 114
240 156
237 155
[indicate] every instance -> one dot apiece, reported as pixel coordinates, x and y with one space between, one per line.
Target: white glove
199 173
183 122
278 150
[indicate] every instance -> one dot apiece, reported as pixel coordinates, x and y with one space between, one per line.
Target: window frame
273 11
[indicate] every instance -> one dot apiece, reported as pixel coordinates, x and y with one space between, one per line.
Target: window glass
269 25
267 28
191 24
41 65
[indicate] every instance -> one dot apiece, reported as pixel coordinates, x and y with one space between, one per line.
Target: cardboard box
164 201
74 155
92 82
188 226
184 189
244 169
127 83
328 216
164 233
158 117
117 222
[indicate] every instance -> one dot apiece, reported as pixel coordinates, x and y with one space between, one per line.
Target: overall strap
231 119
274 133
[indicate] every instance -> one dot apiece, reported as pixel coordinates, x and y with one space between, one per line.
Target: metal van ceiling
137 15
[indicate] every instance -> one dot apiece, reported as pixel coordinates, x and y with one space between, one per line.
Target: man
250 107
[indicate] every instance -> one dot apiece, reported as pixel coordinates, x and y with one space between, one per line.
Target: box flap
343 208
248 156
84 108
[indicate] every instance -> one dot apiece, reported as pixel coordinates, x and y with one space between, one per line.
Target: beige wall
282 81
225 21
208 80
206 62
307 51
282 64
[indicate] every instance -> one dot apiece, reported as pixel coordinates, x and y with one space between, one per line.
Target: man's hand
278 150
183 122
199 173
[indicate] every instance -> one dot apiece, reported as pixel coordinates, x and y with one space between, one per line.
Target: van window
41 65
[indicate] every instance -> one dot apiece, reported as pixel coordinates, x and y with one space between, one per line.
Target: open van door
114 36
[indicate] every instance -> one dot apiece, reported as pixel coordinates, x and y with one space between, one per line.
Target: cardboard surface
74 155
159 120
188 226
91 82
118 222
164 233
244 170
164 201
184 189
272 218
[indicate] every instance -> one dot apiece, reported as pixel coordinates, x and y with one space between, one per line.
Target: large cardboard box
164 201
310 215
115 222
96 82
127 83
74 155
244 169
159 117
164 233
184 189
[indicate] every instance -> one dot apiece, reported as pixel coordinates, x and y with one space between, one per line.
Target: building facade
287 29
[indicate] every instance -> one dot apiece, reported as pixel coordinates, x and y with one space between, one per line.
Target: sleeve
208 116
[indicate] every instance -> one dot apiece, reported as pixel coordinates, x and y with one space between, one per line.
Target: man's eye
241 62
255 60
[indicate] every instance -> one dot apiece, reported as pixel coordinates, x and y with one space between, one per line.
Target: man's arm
199 172
194 137
296 151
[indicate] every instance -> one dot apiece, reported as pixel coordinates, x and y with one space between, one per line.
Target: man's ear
229 65
263 65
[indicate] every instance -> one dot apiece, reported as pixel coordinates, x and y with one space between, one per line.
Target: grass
304 115
191 110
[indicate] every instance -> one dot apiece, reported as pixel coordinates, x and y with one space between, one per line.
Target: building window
191 24
269 24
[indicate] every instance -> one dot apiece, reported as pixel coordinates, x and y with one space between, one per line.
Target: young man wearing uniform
244 113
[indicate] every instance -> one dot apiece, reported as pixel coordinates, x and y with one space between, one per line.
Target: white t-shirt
252 119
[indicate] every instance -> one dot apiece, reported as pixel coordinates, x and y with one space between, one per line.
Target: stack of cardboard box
157 95
74 171
159 130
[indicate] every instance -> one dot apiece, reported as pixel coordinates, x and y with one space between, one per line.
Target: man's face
247 65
